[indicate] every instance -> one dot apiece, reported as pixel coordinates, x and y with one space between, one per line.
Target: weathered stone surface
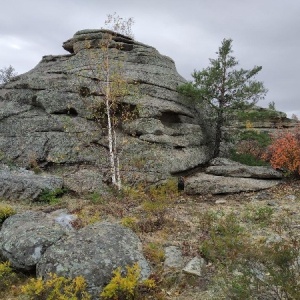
220 201
223 161
228 168
86 179
45 116
94 252
210 184
195 266
173 257
25 237
63 218
22 184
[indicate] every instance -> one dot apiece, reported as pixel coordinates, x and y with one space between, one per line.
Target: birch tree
112 86
7 73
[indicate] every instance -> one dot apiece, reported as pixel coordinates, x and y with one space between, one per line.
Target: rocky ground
164 218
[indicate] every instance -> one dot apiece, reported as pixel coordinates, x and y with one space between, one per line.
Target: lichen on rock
45 115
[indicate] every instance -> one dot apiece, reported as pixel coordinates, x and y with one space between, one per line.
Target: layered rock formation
263 119
224 176
45 117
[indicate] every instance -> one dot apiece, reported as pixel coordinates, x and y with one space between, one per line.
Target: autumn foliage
284 151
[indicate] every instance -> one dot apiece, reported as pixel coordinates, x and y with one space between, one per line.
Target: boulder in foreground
94 252
25 237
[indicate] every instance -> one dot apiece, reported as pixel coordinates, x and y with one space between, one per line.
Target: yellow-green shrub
154 252
56 288
135 193
160 197
129 222
5 212
7 276
85 216
126 287
167 190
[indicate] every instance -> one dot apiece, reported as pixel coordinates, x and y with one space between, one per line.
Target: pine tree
224 88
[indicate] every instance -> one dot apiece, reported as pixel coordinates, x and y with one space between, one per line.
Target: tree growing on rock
7 73
111 88
224 88
118 24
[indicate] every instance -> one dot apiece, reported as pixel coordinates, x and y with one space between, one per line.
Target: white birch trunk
117 162
110 146
109 125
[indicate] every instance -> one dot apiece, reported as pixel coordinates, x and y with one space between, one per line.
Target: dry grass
185 221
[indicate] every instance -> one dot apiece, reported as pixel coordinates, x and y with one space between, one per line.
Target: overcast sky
264 32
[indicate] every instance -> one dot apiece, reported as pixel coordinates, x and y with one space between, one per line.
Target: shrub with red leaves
284 151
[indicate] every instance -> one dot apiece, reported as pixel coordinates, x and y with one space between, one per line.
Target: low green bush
51 196
259 214
247 268
96 198
225 240
247 159
272 271
250 147
259 115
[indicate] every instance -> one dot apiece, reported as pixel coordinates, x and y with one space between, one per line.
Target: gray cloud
190 32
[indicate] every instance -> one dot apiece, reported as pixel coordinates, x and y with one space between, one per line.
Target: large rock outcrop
45 116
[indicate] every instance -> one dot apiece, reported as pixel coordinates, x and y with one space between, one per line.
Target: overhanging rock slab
209 184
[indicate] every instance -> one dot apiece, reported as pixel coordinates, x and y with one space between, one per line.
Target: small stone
274 238
63 218
173 257
262 196
291 197
195 266
237 273
220 201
